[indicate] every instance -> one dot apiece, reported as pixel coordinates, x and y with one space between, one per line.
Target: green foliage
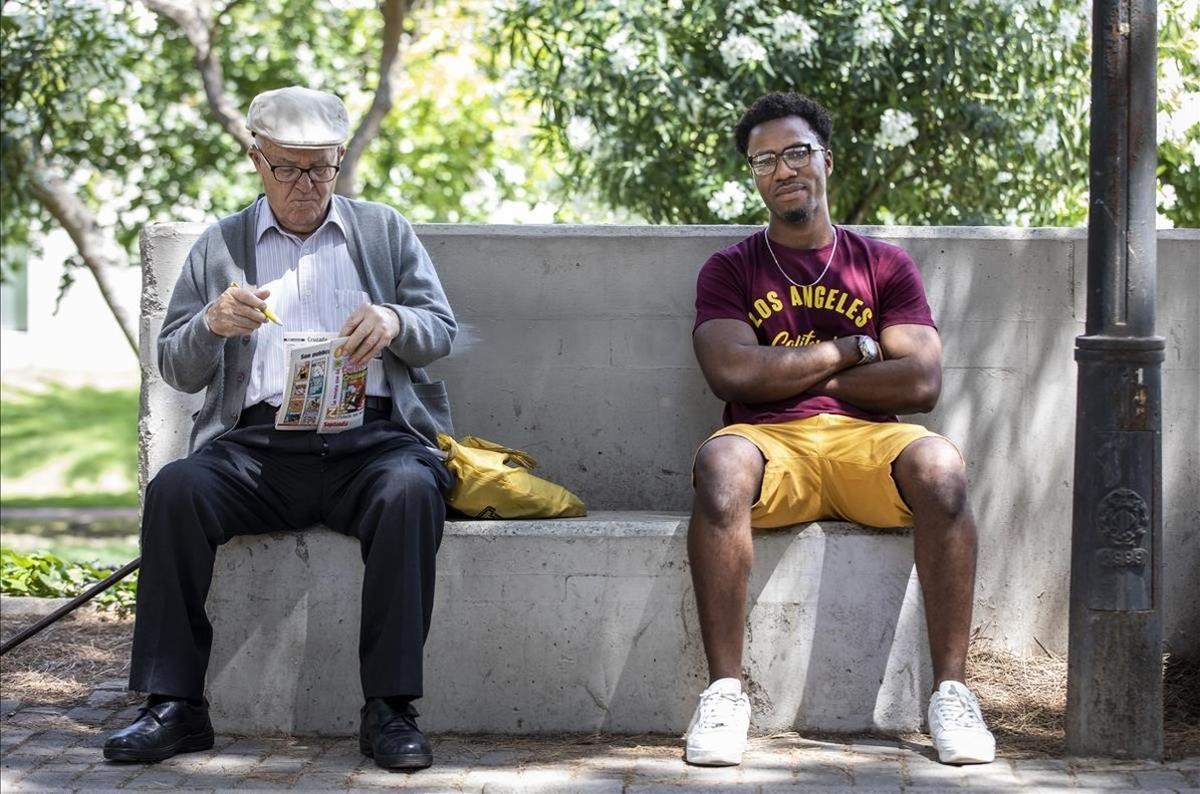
945 112
82 434
43 575
1179 112
62 69
108 94
455 148
80 499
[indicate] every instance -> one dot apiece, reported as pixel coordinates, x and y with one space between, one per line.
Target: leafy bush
45 575
946 112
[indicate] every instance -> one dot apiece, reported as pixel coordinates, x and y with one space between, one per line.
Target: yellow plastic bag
496 482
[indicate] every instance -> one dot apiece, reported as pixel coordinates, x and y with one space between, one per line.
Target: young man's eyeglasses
764 164
290 173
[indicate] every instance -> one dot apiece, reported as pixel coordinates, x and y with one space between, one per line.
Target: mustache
781 187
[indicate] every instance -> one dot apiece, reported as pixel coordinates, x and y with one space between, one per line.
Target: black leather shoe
390 735
161 730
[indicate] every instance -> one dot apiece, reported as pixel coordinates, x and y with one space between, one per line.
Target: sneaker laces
957 708
717 709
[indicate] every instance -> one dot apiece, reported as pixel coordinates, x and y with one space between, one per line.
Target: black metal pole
1114 679
74 604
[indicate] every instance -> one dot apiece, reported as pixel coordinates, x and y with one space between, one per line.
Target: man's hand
237 312
739 369
371 328
907 381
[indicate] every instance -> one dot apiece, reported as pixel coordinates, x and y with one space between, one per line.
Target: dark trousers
378 483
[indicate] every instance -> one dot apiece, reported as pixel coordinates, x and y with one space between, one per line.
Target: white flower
306 59
485 193
580 133
731 201
1180 107
793 33
674 6
738 48
1047 139
871 30
896 129
509 211
145 21
1193 150
1166 197
1069 24
1171 84
624 54
513 173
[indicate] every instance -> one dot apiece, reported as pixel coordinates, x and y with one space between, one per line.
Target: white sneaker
957 727
717 735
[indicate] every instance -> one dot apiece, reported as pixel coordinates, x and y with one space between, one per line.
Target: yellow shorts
829 466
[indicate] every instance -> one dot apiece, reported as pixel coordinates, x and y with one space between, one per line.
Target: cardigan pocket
436 402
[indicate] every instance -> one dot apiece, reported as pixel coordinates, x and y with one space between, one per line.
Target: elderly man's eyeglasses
764 164
290 173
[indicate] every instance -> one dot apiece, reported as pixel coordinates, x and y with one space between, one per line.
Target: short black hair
778 105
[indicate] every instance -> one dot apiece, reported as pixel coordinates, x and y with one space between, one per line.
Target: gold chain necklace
828 261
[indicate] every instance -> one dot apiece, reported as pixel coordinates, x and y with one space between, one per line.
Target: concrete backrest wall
576 347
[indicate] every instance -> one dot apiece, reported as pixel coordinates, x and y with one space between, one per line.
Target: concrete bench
574 625
576 347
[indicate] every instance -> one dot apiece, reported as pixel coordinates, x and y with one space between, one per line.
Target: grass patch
107 541
75 439
101 552
86 499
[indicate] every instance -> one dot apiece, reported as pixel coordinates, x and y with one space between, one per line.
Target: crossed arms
907 380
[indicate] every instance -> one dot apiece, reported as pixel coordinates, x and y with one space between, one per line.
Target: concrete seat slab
584 624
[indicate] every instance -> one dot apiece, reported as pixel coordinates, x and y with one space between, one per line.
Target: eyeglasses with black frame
291 173
765 163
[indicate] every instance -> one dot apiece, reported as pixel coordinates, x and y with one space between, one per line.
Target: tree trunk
100 252
390 66
867 201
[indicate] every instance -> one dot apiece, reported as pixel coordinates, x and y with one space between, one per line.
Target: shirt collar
267 220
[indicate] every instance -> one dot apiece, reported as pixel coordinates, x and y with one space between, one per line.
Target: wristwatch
868 349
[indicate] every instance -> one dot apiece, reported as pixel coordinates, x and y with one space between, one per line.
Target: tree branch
99 250
195 20
868 200
394 14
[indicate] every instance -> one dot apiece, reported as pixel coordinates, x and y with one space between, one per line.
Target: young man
816 337
329 264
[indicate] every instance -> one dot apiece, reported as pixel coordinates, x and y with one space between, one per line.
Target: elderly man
321 263
816 337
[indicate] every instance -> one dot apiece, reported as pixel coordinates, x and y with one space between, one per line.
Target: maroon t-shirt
869 285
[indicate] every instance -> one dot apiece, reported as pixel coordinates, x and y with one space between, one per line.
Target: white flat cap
299 117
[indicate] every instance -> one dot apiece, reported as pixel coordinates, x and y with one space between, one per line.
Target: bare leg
933 481
728 476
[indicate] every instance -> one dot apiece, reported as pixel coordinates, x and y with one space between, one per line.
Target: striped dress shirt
314 287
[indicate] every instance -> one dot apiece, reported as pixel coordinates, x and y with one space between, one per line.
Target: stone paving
53 749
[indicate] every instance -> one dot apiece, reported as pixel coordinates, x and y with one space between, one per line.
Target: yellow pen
266 310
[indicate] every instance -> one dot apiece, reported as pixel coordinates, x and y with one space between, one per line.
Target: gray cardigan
395 270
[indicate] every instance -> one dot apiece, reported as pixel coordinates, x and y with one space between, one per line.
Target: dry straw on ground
1024 698
64 663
